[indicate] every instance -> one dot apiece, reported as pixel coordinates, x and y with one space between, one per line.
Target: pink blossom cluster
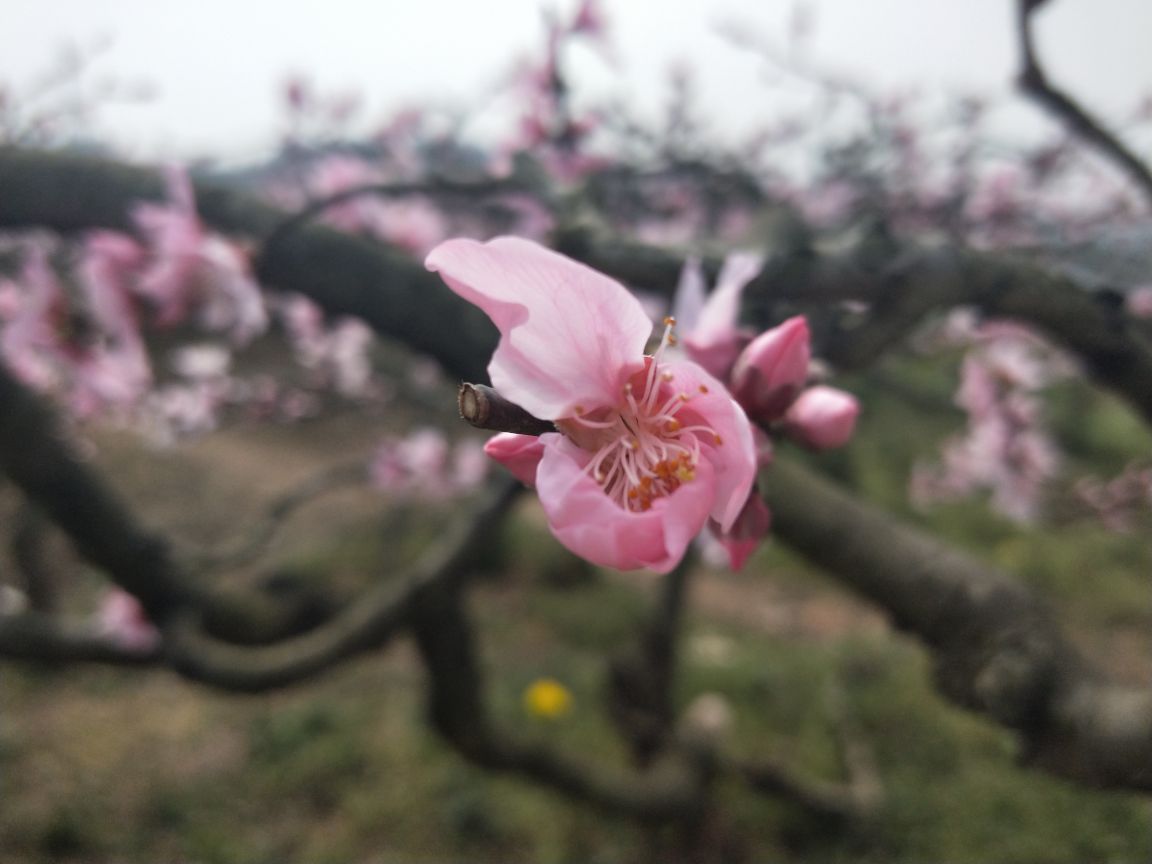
337 354
1119 501
768 375
425 465
1005 448
415 223
80 334
650 449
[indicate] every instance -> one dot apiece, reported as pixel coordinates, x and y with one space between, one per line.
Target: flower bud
770 372
822 417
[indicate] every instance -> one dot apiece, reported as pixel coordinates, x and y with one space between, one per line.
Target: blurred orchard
600 488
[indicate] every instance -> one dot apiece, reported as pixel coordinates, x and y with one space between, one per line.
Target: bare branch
366 623
36 456
641 680
459 711
435 187
31 636
256 538
1034 81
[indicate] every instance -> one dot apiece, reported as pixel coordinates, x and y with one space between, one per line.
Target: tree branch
1033 80
366 623
458 709
344 274
31 636
996 647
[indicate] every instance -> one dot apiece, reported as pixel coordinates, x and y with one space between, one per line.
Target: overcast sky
215 66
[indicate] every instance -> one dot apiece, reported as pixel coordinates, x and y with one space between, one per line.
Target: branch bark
997 649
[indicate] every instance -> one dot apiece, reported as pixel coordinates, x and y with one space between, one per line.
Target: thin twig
256 538
1034 81
366 623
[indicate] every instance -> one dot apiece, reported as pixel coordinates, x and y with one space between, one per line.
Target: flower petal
734 459
569 336
590 524
715 338
746 532
520 454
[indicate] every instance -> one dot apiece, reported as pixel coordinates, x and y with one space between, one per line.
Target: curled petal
770 372
569 336
741 540
593 526
520 454
822 417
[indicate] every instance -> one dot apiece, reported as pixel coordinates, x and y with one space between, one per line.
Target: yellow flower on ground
547 698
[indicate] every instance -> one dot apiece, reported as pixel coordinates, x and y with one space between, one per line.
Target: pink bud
822 417
770 372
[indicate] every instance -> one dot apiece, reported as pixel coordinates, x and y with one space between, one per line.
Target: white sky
215 66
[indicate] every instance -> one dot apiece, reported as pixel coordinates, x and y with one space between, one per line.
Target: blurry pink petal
122 619
107 269
424 453
765 449
520 454
234 303
822 417
569 336
593 526
714 338
201 362
750 527
1139 301
770 372
691 295
469 464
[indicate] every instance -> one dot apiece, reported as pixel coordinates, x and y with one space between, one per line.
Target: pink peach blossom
822 417
648 451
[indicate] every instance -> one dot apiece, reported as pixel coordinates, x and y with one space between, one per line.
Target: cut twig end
484 408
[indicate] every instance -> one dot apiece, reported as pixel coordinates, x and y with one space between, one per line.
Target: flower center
643 449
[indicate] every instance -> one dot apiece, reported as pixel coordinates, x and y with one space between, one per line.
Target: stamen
642 451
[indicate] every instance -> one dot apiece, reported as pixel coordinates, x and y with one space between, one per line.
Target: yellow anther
703 389
669 321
